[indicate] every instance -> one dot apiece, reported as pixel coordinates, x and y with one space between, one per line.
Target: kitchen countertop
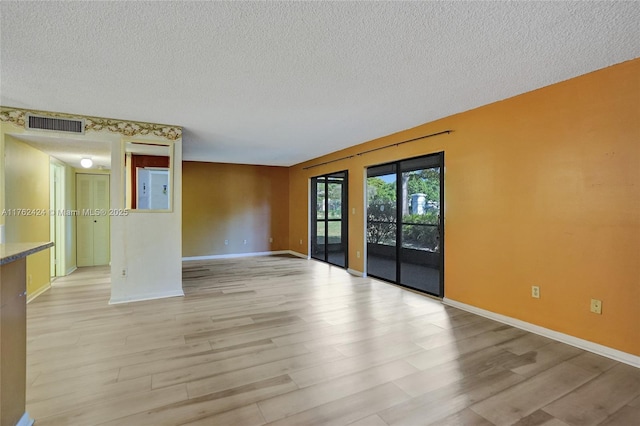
11 252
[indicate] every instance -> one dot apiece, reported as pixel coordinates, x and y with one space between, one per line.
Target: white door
92 198
153 188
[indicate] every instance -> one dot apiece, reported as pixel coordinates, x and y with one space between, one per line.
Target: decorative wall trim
149 296
596 348
17 116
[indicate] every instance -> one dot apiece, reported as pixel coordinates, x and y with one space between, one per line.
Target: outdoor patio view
403 224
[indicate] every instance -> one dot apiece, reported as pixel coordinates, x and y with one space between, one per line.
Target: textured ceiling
281 82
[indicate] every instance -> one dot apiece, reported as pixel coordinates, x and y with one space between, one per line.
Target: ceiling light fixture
86 163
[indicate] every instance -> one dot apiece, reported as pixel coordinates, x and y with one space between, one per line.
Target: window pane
335 200
381 210
320 205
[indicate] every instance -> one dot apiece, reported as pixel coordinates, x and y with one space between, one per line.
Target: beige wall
234 202
540 189
146 244
27 187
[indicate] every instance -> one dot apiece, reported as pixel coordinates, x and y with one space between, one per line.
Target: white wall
147 245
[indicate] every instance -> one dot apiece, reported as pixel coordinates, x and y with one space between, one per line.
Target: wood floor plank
545 357
537 418
303 399
191 372
220 382
465 417
526 343
71 385
248 415
349 409
448 397
478 364
198 409
81 398
192 359
524 398
344 366
373 420
593 402
625 416
116 408
300 342
91 362
592 362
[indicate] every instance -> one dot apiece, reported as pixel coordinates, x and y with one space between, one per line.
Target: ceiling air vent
41 122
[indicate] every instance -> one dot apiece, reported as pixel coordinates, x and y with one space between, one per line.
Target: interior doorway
405 227
329 214
92 197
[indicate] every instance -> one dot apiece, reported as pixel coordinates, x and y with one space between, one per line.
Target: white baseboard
142 297
38 293
596 348
71 270
234 255
355 272
296 254
25 420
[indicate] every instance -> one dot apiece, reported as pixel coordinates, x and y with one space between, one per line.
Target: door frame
57 225
344 217
398 247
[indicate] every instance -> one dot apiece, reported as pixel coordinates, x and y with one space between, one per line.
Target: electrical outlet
596 306
226 242
300 242
358 254
244 241
123 273
270 240
535 291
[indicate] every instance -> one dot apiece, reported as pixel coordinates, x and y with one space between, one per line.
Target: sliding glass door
404 223
382 229
329 218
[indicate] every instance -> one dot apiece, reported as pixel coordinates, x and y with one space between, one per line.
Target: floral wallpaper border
17 116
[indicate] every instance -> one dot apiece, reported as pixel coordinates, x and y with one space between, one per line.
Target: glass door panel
382 223
336 250
420 254
318 240
335 247
318 230
329 218
404 223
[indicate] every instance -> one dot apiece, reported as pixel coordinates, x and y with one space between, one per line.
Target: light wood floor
286 341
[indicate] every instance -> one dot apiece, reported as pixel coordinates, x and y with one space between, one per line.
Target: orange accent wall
540 189
234 202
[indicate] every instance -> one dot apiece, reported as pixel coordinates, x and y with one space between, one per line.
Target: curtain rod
379 148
